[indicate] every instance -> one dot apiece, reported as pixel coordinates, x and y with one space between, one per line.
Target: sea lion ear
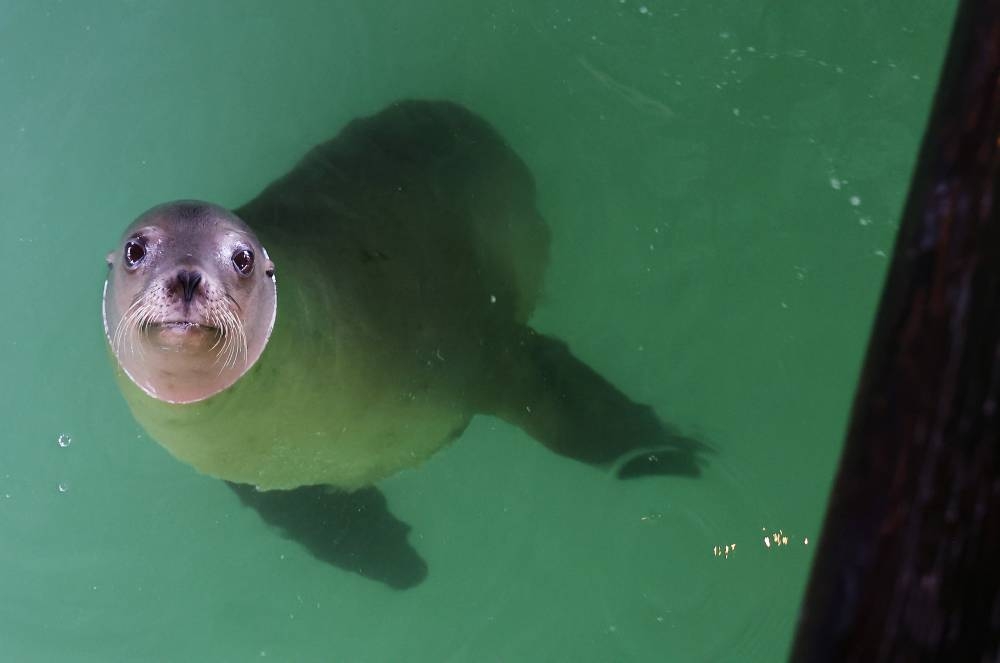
268 263
110 258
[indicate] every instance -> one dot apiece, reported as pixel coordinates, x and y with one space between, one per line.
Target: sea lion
350 320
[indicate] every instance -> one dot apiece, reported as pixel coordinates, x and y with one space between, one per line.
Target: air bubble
64 487
64 440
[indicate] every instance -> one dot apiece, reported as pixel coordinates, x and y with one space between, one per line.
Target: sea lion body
409 255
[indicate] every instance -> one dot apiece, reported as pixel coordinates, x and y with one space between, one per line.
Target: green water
723 182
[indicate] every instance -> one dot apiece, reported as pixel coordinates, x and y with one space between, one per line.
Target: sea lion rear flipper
351 530
572 410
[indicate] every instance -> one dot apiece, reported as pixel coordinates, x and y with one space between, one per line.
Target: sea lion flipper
575 412
351 530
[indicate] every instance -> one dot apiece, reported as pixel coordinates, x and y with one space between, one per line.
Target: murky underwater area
722 182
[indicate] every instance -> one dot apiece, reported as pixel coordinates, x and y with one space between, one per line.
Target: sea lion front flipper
354 531
572 410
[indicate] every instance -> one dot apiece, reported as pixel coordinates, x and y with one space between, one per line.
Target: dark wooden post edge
908 562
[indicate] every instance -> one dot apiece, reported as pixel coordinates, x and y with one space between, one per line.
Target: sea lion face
189 302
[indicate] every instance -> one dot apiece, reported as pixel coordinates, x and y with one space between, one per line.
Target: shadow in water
352 531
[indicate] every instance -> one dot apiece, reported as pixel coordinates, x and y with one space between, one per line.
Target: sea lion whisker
235 347
123 319
241 330
230 348
122 329
241 337
136 325
231 338
142 325
214 321
221 345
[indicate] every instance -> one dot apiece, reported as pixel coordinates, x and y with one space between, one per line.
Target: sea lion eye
134 253
243 261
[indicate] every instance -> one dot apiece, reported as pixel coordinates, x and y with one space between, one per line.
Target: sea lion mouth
181 330
182 326
185 336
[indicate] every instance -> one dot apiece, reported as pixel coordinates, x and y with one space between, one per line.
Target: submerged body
408 256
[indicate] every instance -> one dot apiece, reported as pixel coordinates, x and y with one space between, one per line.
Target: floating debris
778 538
724 551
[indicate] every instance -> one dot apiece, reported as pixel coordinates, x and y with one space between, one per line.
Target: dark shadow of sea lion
353 531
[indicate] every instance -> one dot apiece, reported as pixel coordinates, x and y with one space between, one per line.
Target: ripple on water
687 591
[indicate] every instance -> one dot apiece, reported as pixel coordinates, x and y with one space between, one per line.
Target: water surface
723 183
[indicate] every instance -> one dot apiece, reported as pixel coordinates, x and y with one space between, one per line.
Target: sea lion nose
188 280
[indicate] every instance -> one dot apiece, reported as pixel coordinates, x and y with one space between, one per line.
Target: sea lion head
190 300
